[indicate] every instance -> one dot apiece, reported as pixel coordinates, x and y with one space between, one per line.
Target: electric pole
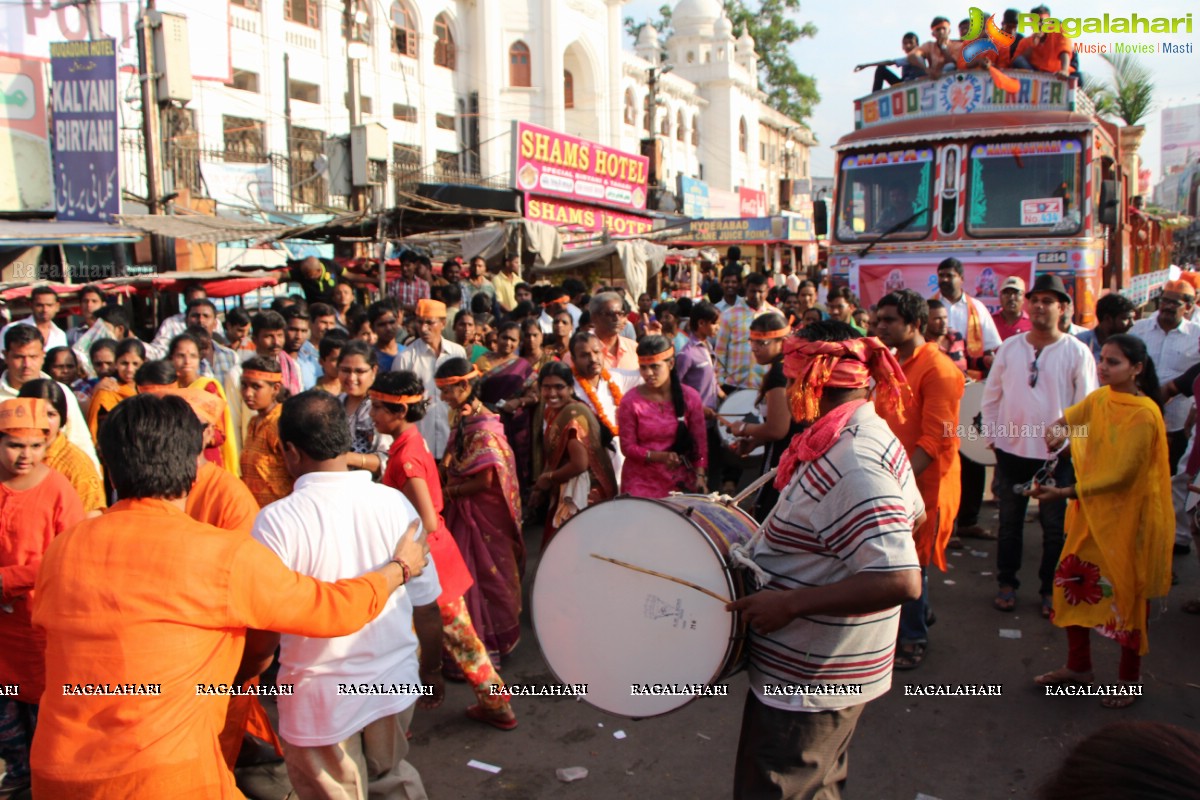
358 194
151 124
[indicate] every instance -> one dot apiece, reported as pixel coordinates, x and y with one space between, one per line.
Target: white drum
735 408
970 442
613 627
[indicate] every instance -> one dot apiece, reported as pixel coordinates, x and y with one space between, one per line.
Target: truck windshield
879 190
1025 188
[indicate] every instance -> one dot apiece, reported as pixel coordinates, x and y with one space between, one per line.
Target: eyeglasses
349 371
610 314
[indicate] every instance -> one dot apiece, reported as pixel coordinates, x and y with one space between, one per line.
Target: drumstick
753 487
627 565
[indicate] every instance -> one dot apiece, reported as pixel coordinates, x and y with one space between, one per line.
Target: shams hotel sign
1125 25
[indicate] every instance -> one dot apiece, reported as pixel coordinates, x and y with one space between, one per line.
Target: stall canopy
201 228
50 233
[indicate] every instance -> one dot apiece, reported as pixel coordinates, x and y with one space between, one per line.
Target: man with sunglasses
1034 377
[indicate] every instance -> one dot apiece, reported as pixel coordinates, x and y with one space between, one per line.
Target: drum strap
743 554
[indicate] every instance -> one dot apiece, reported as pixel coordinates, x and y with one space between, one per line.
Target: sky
850 33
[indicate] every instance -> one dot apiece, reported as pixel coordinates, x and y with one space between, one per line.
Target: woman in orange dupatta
576 470
186 351
61 455
1117 554
129 356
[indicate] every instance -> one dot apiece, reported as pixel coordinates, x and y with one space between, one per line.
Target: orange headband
442 383
813 366
764 336
398 399
259 375
654 359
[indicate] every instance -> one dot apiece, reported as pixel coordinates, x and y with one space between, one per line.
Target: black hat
1049 283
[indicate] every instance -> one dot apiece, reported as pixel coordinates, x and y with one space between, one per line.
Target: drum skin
970 443
733 408
611 627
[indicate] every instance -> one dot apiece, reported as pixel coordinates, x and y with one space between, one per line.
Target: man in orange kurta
144 605
928 432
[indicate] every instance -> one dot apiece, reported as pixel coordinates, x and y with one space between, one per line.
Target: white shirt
958 314
626 381
58 338
171 327
1174 352
337 525
575 314
418 357
74 428
1015 415
546 323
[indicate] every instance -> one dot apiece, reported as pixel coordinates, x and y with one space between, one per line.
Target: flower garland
595 401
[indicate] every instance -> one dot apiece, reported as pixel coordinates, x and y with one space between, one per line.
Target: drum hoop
735 636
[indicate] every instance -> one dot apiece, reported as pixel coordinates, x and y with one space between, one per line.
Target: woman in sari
533 347
61 455
562 326
186 352
576 471
483 508
130 355
1121 525
506 377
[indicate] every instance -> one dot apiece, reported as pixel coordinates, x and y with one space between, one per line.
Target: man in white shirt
175 324
601 388
26 354
555 300
43 304
423 357
1035 376
344 727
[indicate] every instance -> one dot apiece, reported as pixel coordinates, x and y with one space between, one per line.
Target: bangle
404 568
647 456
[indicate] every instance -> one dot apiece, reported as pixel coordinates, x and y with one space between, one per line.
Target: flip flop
1063 677
1005 600
909 656
1119 701
1047 606
479 714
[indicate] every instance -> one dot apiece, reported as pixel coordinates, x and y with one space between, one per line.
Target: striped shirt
851 511
735 361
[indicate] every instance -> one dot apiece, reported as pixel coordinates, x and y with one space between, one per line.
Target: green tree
774 30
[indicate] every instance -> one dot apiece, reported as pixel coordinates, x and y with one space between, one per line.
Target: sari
224 451
74 465
599 483
487 528
508 380
1117 553
104 401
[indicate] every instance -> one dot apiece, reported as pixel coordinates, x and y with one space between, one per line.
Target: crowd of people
470 407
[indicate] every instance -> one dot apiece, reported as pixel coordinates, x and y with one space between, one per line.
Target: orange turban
24 416
1180 287
431 309
208 407
851 364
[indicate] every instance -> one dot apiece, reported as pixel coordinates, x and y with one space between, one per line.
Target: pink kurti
645 426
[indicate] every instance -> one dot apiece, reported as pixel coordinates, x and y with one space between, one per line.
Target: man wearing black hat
1034 377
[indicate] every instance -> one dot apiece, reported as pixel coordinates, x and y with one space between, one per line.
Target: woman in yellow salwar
1117 554
186 352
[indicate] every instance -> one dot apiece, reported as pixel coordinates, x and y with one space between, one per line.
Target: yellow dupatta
1120 530
229 449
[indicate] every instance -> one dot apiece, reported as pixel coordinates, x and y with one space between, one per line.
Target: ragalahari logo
984 37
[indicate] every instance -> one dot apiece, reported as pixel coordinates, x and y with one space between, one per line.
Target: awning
10 292
216 284
201 228
49 233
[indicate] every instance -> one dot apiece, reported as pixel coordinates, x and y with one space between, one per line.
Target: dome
723 28
745 42
695 17
647 36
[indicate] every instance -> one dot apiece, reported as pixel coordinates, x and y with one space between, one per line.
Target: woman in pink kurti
662 428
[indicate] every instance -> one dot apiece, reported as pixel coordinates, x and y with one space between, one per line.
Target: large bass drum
971 442
613 628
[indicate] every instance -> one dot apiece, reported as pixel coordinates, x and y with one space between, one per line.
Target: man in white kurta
424 357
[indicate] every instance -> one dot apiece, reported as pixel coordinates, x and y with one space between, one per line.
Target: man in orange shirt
145 612
928 434
1045 52
939 54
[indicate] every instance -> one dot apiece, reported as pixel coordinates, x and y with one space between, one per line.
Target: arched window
444 54
742 135
404 30
630 108
568 89
696 131
680 128
519 73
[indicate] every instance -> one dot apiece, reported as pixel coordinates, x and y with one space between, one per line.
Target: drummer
767 335
839 557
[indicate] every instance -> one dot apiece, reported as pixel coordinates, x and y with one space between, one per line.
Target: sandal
1119 701
1005 600
506 722
1063 677
1191 607
1047 606
909 656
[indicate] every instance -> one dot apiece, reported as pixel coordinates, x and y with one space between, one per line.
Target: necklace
613 389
